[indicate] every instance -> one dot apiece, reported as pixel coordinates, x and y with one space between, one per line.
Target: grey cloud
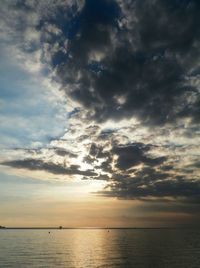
144 78
106 165
149 52
155 184
99 177
134 154
123 156
120 59
34 164
63 152
196 164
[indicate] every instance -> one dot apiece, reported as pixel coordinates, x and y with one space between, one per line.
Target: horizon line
103 228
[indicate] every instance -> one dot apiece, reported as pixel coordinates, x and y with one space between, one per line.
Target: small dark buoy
49 232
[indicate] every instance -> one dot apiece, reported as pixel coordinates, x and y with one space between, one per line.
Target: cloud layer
130 75
118 66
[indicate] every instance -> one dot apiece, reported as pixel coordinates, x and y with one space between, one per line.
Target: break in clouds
129 71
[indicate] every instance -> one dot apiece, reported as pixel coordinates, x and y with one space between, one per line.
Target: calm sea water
139 248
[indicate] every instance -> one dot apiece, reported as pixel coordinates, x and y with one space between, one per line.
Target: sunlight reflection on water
77 248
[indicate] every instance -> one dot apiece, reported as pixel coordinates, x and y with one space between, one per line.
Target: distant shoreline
96 228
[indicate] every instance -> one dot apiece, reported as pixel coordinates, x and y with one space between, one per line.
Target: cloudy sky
100 113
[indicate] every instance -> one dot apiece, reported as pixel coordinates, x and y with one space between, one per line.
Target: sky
100 113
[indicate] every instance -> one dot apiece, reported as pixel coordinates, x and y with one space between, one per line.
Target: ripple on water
97 248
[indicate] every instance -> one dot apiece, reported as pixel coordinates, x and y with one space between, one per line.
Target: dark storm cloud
145 62
34 164
117 60
165 17
126 156
121 59
151 183
134 154
196 164
106 165
155 177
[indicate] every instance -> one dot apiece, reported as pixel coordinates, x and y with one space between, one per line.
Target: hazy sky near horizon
99 113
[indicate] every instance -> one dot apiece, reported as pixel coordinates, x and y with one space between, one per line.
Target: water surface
116 248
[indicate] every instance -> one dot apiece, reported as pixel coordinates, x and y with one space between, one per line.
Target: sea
102 248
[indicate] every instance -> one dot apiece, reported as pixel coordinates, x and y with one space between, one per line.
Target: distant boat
60 227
